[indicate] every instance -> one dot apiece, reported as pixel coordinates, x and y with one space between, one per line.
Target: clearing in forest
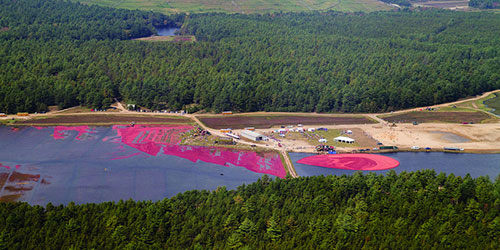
247 6
167 39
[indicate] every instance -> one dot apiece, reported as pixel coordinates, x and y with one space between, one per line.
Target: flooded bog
457 164
96 164
351 161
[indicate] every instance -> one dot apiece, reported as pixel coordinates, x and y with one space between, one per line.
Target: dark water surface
96 164
163 31
456 163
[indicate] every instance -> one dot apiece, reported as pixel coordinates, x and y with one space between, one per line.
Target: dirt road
289 164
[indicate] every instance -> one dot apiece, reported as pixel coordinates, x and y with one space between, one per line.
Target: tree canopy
419 210
62 53
485 4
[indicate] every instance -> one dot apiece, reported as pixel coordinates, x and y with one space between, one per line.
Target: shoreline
408 150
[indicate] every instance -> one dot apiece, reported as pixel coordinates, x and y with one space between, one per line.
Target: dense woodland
62 53
420 210
485 4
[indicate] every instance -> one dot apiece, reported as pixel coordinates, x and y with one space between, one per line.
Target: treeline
485 4
59 19
419 210
323 62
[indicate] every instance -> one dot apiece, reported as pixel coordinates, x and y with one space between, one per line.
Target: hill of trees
62 53
420 210
485 4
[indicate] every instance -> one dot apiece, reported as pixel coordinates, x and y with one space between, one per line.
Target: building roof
250 133
343 138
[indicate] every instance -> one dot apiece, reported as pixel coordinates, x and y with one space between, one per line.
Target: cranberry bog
351 161
267 121
92 164
103 119
438 116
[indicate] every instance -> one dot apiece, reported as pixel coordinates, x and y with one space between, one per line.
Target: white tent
343 139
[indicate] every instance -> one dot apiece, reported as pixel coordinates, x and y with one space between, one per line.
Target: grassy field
494 103
167 39
243 6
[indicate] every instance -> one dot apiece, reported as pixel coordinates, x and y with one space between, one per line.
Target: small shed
251 135
343 139
311 129
227 112
250 128
23 114
3 115
322 140
349 132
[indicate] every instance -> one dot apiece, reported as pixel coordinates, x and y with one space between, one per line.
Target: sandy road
289 164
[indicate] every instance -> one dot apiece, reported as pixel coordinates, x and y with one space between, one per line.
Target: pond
457 163
166 31
95 164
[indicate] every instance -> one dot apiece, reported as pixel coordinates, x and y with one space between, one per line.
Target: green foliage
494 103
485 4
67 54
419 210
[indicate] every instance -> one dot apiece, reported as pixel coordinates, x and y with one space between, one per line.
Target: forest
485 4
418 210
55 52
